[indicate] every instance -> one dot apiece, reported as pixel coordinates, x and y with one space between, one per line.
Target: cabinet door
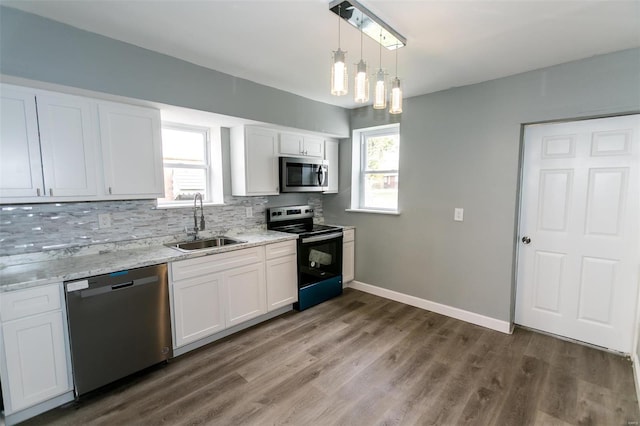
35 354
20 166
132 150
68 142
331 152
245 293
197 308
282 282
261 162
348 261
313 147
290 144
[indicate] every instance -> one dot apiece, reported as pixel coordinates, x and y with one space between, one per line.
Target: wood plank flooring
363 360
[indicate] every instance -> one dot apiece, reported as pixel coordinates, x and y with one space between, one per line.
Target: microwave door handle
320 175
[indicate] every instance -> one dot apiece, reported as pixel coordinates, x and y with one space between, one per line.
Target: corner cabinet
331 155
56 147
254 161
35 363
348 255
131 150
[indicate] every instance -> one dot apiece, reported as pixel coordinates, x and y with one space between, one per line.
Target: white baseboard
636 373
450 311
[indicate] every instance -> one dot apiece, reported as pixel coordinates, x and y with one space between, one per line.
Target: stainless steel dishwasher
119 324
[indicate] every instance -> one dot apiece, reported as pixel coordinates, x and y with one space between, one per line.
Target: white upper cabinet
254 161
52 148
131 150
47 146
68 144
20 164
301 145
331 154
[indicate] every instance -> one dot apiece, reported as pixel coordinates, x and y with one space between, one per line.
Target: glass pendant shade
361 87
396 97
380 94
339 75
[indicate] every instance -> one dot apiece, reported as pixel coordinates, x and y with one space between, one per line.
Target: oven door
303 174
319 258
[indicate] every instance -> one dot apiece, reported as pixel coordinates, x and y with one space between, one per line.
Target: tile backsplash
33 228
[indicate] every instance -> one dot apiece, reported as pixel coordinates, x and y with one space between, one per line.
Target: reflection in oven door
319 259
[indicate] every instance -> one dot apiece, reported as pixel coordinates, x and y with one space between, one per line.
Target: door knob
526 239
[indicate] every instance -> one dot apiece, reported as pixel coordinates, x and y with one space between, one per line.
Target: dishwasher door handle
97 291
123 285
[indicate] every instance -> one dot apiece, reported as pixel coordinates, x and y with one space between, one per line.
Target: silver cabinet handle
109 190
38 191
51 192
526 240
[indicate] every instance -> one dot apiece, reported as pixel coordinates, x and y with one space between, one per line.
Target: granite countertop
112 258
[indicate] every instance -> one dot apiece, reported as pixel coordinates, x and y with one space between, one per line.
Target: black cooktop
296 220
306 228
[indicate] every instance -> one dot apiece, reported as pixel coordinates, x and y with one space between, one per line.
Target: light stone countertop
124 256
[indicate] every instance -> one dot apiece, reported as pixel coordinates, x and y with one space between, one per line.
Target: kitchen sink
208 243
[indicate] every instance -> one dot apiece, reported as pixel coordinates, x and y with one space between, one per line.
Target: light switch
458 214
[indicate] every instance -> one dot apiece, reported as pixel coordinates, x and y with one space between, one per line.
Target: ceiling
288 44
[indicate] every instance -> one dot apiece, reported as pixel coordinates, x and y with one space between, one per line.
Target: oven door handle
321 238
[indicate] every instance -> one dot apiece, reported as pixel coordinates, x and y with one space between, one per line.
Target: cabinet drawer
215 263
349 235
22 303
281 249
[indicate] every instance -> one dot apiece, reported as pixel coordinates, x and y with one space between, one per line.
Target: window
375 169
187 159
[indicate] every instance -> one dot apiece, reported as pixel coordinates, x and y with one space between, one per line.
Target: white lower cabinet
282 275
198 308
246 293
35 364
212 293
348 255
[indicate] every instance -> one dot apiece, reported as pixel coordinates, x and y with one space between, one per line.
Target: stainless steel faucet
197 228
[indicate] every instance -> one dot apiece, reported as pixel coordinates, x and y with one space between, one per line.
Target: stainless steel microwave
303 174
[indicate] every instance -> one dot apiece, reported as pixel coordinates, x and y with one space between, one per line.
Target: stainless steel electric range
319 253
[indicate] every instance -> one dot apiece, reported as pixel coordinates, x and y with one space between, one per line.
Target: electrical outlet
458 214
249 211
104 220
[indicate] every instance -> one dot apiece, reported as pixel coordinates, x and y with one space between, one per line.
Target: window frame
212 161
360 171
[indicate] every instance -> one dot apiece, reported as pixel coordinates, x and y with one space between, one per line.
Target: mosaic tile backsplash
33 228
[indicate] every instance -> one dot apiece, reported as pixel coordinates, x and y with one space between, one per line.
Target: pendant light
361 86
339 76
380 94
396 93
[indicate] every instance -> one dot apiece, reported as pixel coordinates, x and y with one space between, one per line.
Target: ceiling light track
366 21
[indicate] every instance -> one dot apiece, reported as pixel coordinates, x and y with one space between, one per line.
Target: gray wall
41 49
461 148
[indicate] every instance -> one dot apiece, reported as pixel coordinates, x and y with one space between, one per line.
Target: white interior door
578 257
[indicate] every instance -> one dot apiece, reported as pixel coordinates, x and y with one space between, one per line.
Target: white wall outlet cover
458 214
249 211
104 220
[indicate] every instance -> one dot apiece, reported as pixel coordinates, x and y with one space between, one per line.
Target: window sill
388 212
185 205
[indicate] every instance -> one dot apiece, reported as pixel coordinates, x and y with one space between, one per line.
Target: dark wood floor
363 360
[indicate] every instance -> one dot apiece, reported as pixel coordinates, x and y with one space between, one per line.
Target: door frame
518 223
